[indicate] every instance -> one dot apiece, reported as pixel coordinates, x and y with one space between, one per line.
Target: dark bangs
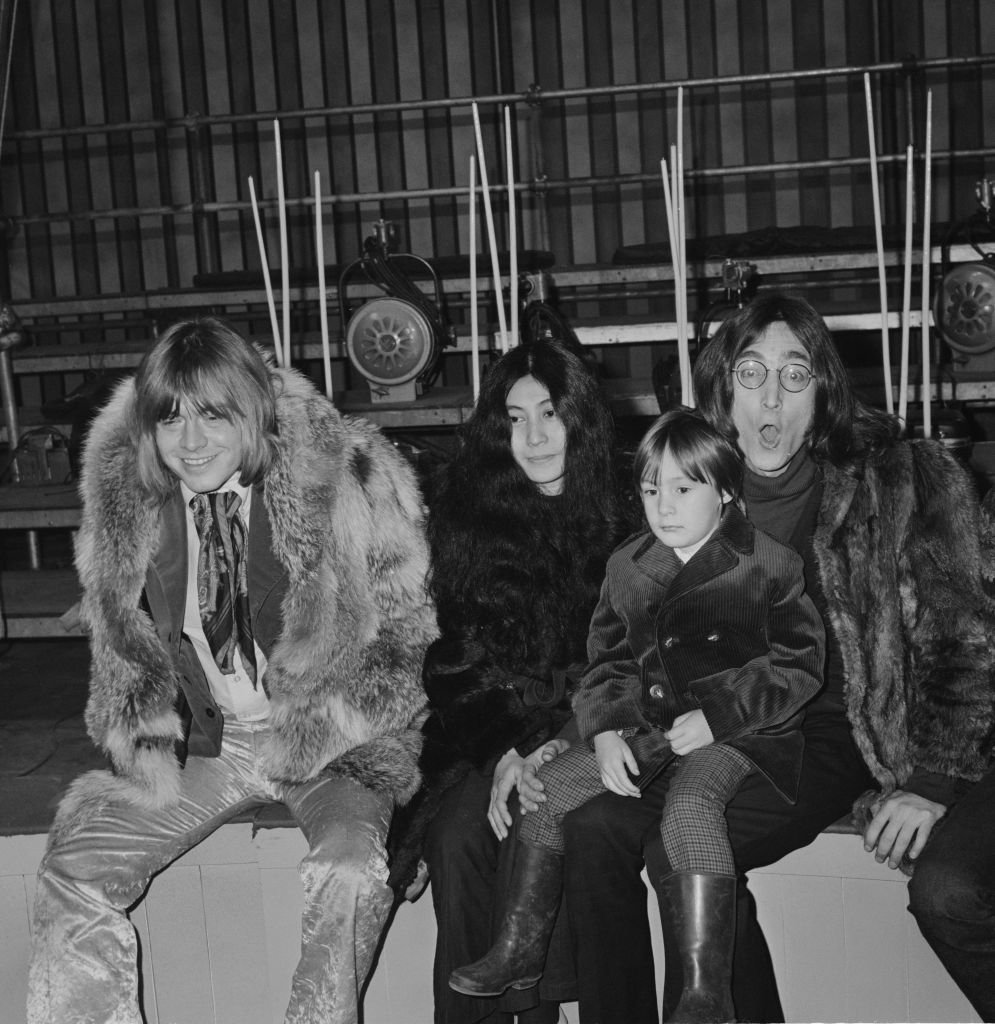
701 452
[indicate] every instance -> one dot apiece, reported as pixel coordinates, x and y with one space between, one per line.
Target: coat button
668 642
656 691
209 712
712 638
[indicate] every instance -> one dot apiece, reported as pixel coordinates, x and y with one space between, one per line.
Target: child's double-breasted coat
731 632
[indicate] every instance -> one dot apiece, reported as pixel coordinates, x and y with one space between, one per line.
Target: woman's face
538 436
773 423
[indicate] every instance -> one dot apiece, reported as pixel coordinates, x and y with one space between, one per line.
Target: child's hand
689 732
614 756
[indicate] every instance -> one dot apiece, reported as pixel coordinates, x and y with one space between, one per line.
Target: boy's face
203 450
681 512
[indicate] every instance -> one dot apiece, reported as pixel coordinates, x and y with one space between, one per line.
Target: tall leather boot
528 912
699 917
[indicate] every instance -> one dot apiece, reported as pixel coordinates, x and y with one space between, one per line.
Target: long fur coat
904 553
344 674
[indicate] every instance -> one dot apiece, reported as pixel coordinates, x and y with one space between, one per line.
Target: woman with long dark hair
521 524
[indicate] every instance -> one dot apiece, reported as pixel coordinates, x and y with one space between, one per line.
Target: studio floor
43 741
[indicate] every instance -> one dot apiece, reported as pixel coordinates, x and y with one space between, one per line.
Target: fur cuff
388 764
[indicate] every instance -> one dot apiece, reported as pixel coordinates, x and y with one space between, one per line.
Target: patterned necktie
222 583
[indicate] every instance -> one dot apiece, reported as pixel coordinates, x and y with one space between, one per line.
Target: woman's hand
417 886
507 775
530 788
901 826
614 757
689 732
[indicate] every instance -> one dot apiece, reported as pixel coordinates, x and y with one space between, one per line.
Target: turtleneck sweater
787 507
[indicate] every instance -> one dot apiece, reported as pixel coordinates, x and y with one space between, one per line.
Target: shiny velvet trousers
468 868
99 863
608 839
952 894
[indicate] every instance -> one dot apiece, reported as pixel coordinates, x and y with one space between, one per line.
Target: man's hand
614 757
507 775
900 826
689 732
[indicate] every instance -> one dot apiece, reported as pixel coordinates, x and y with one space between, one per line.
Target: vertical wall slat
784 113
731 142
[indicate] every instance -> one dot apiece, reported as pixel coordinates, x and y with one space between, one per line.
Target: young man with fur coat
253 568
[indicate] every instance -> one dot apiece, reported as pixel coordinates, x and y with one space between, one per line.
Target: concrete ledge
220 934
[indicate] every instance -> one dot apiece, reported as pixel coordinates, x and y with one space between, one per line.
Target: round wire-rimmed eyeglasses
794 377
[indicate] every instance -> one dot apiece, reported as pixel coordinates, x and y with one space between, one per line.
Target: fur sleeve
348 524
949 619
133 684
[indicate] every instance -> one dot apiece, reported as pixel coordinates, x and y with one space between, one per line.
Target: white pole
879 238
284 257
278 348
489 218
669 205
687 396
672 228
474 344
512 229
319 243
927 264
903 382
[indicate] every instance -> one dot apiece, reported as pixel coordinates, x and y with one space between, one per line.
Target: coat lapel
267 577
839 491
656 561
169 564
720 553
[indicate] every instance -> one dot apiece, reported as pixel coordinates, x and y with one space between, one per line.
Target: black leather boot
528 913
699 923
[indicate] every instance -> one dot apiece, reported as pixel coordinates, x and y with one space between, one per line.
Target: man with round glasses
890 534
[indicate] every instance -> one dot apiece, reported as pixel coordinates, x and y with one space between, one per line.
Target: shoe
528 912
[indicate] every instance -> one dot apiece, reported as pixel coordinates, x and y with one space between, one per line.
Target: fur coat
353 622
904 553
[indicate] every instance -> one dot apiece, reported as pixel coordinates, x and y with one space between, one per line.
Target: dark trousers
467 867
952 895
608 838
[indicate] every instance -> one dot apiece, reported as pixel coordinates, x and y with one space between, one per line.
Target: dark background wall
133 125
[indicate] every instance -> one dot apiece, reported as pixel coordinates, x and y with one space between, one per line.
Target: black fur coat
501 673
